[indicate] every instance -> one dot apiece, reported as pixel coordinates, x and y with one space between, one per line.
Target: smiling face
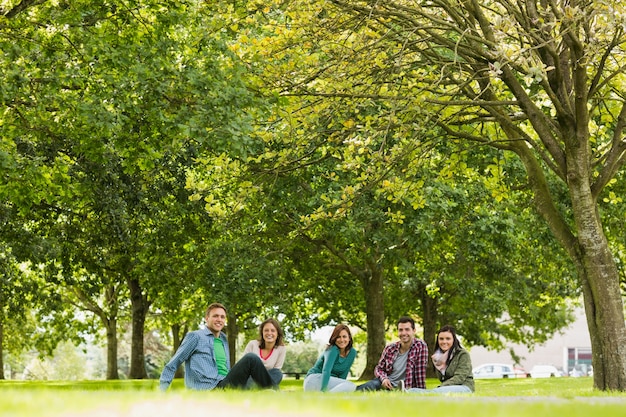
270 333
343 339
216 320
406 333
445 339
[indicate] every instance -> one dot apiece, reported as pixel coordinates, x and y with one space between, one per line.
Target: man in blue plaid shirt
207 360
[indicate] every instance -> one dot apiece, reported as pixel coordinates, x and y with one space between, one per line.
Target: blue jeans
461 389
371 385
276 375
313 382
249 366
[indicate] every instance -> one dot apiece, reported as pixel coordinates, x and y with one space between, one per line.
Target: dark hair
281 336
213 307
335 335
407 319
456 344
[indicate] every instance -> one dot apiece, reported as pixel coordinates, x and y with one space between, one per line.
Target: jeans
371 385
249 366
313 382
276 375
461 389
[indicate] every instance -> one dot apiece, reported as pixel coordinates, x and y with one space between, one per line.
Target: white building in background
566 350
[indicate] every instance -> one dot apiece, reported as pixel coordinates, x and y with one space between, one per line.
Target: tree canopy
322 162
538 80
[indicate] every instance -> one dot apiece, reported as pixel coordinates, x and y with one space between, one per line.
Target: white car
544 371
494 370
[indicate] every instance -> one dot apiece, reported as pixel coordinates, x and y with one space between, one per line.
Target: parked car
520 372
544 371
493 370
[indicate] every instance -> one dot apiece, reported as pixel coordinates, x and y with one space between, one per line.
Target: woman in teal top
332 367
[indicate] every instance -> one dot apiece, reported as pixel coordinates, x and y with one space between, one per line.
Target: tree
540 80
14 301
342 172
480 256
338 190
93 140
25 299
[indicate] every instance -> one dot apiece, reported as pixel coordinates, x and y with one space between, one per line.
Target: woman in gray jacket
453 365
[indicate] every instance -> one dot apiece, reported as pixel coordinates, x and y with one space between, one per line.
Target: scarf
439 360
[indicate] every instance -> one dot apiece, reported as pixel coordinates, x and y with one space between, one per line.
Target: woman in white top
270 347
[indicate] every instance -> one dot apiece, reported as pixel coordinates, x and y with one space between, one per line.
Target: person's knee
312 383
251 356
276 375
252 359
371 385
345 387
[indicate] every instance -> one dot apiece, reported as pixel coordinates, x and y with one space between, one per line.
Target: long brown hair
280 339
335 335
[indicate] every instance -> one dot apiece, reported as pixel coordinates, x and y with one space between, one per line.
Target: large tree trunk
232 334
588 248
139 308
111 329
605 320
178 334
602 295
375 310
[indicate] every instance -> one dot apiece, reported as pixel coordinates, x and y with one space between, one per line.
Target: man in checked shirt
205 353
402 364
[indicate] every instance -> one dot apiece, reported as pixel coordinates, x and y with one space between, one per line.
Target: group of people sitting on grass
402 364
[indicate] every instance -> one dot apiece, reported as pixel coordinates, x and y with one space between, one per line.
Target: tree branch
20 7
615 156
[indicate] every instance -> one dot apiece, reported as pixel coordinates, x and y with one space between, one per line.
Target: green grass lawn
554 397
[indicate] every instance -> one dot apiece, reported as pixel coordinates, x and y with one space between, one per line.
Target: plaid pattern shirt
415 364
198 354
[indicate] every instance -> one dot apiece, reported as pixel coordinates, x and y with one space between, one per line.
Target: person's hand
387 383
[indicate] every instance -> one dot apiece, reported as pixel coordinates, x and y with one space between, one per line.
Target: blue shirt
198 354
